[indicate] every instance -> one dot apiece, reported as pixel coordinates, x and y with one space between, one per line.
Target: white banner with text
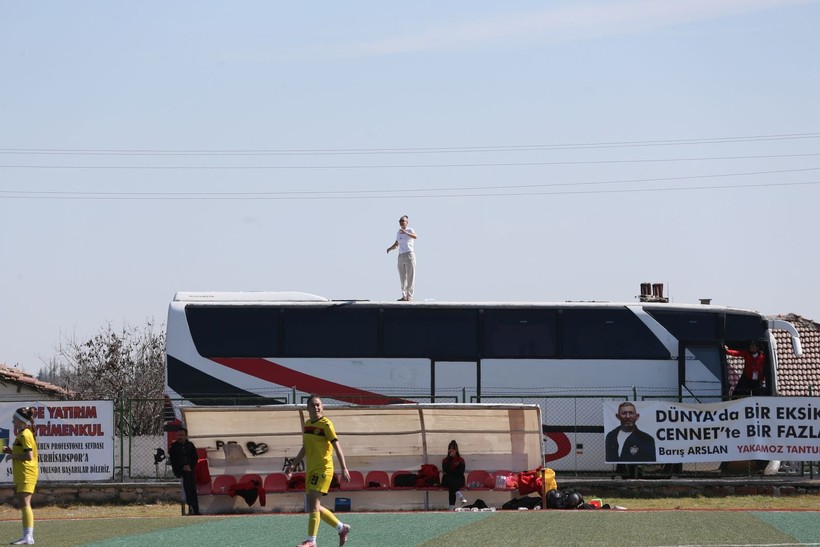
75 439
753 428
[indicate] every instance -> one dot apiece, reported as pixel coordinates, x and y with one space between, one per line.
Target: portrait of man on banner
626 443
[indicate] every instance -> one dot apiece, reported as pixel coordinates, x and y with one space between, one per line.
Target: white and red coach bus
265 347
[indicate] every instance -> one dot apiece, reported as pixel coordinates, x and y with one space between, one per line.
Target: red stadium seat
356 482
477 480
276 482
203 489
222 485
377 480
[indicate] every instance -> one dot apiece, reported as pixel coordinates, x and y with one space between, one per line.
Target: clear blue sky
151 147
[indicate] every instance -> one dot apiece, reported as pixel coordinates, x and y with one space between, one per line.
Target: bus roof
247 296
272 297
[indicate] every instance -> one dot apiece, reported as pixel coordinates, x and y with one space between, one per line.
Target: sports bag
530 481
427 476
405 480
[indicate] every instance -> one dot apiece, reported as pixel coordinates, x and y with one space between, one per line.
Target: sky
544 151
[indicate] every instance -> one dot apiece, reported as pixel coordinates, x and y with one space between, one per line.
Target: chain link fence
572 426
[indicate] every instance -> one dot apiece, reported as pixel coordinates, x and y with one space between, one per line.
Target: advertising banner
75 439
753 428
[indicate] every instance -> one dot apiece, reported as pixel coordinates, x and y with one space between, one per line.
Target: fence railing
573 417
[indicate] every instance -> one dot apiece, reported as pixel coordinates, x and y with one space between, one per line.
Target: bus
254 348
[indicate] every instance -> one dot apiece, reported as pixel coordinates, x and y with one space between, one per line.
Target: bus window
237 331
685 325
610 333
434 333
331 332
519 333
745 327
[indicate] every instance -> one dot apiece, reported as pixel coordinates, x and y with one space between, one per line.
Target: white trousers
407 273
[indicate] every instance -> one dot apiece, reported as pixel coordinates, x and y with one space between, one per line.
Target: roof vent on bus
705 301
652 292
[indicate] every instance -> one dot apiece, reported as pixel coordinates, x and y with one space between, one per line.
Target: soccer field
527 528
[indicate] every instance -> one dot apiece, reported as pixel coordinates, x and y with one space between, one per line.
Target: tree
127 366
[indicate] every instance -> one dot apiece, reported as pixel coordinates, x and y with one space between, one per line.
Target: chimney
657 290
652 292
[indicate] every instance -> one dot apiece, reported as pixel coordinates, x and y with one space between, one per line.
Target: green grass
524 528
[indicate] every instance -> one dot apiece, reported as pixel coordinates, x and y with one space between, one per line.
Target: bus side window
331 332
517 334
234 332
431 333
612 333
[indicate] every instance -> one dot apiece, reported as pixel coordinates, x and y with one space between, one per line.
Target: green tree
126 365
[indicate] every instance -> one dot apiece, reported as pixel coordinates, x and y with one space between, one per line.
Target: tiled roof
797 375
17 376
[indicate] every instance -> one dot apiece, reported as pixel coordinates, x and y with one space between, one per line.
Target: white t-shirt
622 436
405 241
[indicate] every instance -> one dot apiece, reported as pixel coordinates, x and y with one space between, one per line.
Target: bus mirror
788 327
798 350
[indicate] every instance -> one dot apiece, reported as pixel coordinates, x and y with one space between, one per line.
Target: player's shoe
343 535
24 541
307 543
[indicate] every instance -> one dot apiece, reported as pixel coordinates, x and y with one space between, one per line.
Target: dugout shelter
379 443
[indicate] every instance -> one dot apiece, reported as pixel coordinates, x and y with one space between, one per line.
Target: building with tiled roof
798 376
16 385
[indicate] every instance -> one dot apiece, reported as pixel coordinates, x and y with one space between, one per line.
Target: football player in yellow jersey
318 444
25 468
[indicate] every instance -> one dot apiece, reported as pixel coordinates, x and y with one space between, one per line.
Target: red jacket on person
753 363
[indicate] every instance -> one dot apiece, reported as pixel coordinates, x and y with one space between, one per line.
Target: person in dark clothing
453 479
183 460
627 443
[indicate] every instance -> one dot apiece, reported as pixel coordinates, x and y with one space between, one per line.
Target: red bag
530 481
427 476
201 473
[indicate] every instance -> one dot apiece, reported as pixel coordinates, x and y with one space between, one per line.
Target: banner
75 439
753 428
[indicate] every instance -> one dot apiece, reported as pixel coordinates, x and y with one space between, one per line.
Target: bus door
455 381
701 372
702 377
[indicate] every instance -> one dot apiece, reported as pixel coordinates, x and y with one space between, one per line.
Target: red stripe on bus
286 377
563 446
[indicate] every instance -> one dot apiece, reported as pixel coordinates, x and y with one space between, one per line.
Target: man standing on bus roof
751 380
627 443
407 258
